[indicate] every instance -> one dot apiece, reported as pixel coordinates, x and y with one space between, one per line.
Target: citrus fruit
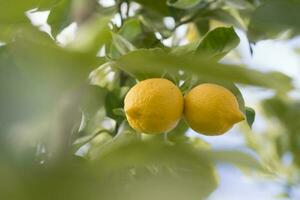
211 109
153 106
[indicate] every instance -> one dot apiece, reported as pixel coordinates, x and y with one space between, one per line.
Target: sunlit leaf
218 42
157 61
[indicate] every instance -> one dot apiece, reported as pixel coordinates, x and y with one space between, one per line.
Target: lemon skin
154 106
211 109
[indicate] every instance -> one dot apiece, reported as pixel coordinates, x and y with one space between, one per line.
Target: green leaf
123 46
178 133
250 115
155 22
60 16
9 31
217 43
119 112
105 76
185 49
184 4
45 75
131 29
226 17
239 4
154 63
92 35
172 171
235 90
274 17
139 73
13 12
135 32
203 26
158 6
114 100
239 159
48 4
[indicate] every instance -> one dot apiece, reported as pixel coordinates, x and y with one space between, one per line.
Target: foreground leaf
154 63
60 16
217 43
274 17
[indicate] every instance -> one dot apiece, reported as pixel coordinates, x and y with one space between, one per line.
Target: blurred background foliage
63 133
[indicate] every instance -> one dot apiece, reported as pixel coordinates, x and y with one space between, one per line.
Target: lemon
153 106
211 109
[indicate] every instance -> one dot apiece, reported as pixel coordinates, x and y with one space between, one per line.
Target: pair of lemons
156 105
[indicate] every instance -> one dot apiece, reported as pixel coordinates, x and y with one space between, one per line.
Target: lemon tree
97 97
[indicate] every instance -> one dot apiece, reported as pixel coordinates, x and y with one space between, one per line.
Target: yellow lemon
211 109
153 106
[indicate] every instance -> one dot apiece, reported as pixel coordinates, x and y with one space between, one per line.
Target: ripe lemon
211 109
153 106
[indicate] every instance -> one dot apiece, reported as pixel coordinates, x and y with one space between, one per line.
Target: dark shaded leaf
92 35
250 115
274 17
60 16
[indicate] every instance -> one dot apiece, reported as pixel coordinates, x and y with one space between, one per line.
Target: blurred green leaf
215 45
184 4
203 26
238 4
158 6
171 171
92 35
105 76
119 111
131 29
78 143
225 16
187 49
178 133
155 21
13 12
45 84
138 34
156 62
239 159
218 42
47 4
274 17
60 16
115 100
123 46
250 115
